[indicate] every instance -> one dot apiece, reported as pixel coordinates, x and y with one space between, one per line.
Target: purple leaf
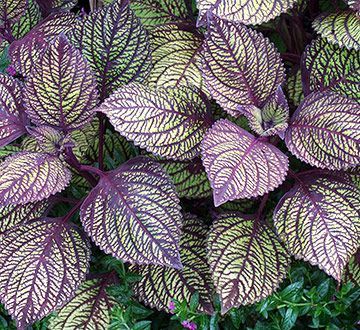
61 90
42 265
12 10
319 221
239 165
29 176
134 214
233 75
352 271
325 131
53 6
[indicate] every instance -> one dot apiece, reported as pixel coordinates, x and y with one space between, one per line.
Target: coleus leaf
294 88
26 52
354 4
239 165
13 215
272 118
341 28
234 77
189 177
161 285
116 45
42 265
167 122
29 176
12 10
246 259
53 6
318 220
327 67
325 131
352 271
243 11
176 58
153 13
133 213
12 116
61 90
89 309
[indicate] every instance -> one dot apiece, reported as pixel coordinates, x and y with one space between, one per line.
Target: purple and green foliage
180 155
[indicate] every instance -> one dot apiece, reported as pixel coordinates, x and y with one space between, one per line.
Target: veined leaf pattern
26 52
319 221
153 13
133 213
61 91
176 57
12 120
42 265
29 176
294 88
352 271
246 259
234 77
327 67
243 11
160 285
239 165
13 215
167 122
116 45
54 6
89 309
12 10
341 28
325 131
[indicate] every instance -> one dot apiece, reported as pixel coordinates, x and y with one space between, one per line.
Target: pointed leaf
239 165
319 221
42 265
167 122
29 176
233 75
12 10
89 309
327 67
133 213
61 91
13 215
160 285
176 58
246 259
341 28
325 131
153 13
244 11
115 44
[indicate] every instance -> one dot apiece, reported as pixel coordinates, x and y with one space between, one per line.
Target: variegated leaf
89 309
272 119
116 45
8 151
42 265
319 221
352 271
160 285
133 213
239 165
26 52
167 122
53 6
246 259
243 11
341 28
12 10
13 215
61 91
153 13
176 58
12 116
29 176
189 177
294 88
234 76
325 131
327 67
354 4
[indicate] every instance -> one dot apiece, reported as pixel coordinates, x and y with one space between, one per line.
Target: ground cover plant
179 164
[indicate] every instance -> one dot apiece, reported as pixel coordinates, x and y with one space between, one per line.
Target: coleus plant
140 112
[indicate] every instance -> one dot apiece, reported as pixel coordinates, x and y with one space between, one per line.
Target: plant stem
76 207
